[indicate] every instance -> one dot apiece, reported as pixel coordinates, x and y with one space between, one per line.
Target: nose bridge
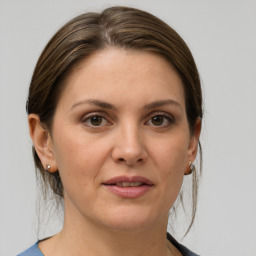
129 146
130 136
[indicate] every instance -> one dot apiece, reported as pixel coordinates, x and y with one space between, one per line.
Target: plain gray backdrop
222 37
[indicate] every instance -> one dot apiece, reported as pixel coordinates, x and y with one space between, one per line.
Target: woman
114 111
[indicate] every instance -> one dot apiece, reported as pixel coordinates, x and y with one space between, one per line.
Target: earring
48 167
190 168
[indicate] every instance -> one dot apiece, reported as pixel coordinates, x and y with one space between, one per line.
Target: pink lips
135 189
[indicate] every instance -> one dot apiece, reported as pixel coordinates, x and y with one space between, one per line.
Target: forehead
113 74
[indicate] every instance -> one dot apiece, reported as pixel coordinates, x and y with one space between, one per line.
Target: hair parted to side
120 27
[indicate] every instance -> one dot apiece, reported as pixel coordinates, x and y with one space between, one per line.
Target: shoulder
32 251
184 250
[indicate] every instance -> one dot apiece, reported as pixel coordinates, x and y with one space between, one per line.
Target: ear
42 142
194 139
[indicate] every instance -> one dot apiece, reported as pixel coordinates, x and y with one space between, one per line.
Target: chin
133 220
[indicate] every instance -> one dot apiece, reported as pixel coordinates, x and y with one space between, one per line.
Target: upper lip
128 179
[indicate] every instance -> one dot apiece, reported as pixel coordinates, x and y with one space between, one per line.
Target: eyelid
160 113
94 113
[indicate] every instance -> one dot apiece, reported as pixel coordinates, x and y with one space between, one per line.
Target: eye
157 120
95 120
161 120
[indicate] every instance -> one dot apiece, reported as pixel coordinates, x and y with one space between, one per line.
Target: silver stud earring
48 167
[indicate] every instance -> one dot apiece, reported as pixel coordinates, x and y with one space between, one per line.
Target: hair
119 27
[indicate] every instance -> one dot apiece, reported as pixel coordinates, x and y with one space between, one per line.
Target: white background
222 37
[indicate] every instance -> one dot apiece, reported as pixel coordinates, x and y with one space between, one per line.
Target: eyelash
87 118
165 117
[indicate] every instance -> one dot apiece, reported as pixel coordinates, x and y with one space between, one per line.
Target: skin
133 136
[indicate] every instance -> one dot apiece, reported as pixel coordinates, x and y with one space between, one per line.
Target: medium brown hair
121 27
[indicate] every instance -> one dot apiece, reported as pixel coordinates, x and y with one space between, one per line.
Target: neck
83 237
98 241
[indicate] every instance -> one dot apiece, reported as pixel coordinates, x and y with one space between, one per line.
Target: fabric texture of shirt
35 251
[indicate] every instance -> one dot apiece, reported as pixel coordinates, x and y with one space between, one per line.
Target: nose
129 147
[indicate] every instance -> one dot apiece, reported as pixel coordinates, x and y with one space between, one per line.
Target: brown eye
95 120
160 120
157 120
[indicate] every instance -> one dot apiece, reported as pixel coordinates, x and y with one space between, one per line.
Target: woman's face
121 140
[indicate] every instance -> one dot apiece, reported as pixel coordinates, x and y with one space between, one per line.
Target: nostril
123 160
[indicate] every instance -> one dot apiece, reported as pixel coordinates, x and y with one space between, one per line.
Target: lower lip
129 192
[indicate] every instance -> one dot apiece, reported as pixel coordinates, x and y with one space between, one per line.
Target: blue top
32 251
35 251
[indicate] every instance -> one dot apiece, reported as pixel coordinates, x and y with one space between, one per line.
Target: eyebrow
99 103
103 104
161 103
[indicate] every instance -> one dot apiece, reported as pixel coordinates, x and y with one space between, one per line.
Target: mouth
129 187
129 184
125 181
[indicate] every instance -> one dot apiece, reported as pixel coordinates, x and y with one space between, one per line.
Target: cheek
170 158
78 157
171 173
171 155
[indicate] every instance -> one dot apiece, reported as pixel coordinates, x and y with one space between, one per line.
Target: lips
128 187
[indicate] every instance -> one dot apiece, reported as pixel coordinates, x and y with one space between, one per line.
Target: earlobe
42 142
190 168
